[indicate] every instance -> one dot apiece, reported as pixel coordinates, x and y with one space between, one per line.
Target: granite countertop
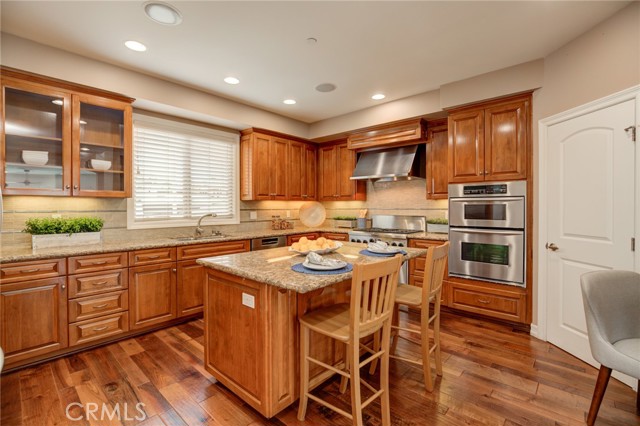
19 254
273 266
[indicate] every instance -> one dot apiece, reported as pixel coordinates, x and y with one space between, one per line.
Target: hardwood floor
492 376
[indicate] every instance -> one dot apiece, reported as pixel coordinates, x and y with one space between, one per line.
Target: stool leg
424 344
384 376
304 372
395 321
354 376
598 394
344 381
376 348
436 342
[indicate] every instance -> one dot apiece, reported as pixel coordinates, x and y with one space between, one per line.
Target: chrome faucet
199 231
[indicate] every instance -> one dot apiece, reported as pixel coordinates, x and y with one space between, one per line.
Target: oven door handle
485 231
483 200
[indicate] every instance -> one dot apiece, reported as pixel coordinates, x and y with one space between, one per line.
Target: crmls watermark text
95 411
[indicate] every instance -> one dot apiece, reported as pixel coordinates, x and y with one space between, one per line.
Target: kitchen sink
200 238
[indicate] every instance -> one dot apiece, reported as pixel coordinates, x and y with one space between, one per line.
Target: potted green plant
59 232
345 221
438 225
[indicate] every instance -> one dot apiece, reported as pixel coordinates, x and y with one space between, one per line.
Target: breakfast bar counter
252 304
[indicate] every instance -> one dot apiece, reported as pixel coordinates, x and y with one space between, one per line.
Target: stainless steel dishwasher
268 242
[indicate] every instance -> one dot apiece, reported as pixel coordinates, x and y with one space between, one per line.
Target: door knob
551 247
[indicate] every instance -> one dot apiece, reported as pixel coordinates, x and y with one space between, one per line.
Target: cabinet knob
75 186
67 187
63 286
174 270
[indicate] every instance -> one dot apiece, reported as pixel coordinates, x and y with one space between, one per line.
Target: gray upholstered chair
612 308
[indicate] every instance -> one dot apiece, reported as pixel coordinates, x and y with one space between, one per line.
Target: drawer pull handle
100 328
153 257
485 301
101 283
28 271
104 305
101 262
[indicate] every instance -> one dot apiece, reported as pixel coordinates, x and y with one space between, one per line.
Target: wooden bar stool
373 288
416 297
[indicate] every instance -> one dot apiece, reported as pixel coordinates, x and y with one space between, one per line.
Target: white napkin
316 259
378 245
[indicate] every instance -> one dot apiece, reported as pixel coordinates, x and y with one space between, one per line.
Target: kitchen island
252 304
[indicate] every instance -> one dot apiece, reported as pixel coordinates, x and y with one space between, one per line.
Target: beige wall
603 61
151 93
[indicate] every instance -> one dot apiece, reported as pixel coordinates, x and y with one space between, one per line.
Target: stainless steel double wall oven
487 231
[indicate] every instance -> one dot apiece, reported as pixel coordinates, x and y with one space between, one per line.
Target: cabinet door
260 173
191 278
328 177
310 173
36 140
466 146
344 170
34 318
279 163
152 294
102 132
505 156
296 172
437 159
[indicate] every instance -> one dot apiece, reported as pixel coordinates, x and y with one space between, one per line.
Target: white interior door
590 214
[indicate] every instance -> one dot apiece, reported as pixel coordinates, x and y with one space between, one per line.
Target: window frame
199 131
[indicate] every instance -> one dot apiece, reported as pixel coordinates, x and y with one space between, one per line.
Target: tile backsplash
402 198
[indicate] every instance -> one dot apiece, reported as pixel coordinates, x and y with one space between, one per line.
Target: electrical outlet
249 300
253 215
288 213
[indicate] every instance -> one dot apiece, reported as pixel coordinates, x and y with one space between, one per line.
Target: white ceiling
364 47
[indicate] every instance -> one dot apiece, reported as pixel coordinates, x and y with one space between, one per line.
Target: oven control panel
485 189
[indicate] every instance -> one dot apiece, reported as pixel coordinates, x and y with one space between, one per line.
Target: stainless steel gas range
393 230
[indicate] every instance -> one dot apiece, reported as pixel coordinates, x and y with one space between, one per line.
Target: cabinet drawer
212 249
151 256
295 238
37 269
95 306
336 236
504 304
89 284
97 263
99 328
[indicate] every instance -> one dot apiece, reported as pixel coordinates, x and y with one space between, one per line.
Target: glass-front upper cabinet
36 142
60 138
101 147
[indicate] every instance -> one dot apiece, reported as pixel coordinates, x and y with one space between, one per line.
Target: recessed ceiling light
57 101
162 13
289 101
135 45
231 80
378 96
326 87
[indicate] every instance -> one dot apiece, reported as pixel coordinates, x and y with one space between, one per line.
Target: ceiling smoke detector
162 13
326 87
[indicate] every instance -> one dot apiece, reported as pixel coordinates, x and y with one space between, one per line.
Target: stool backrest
373 291
435 265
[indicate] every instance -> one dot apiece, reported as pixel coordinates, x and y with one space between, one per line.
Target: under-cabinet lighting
57 101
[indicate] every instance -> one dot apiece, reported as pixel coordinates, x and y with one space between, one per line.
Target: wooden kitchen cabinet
67 126
492 300
152 294
437 161
295 238
264 166
33 316
302 171
192 276
397 133
335 167
490 141
335 236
